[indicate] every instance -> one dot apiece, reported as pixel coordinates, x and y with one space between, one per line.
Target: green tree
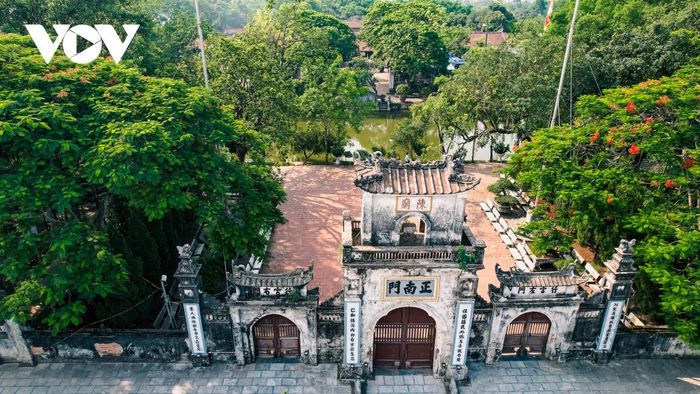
260 90
407 36
627 169
409 137
80 144
497 91
332 101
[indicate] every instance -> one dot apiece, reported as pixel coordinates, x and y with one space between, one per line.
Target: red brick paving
496 250
316 199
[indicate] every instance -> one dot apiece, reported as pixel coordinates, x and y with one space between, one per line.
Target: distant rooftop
489 39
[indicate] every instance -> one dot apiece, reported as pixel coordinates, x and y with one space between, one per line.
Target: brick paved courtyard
620 376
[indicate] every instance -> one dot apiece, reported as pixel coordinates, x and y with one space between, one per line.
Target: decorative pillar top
622 260
187 266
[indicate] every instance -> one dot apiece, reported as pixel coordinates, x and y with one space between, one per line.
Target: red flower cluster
649 120
663 100
610 200
515 148
688 162
595 136
634 149
630 107
670 184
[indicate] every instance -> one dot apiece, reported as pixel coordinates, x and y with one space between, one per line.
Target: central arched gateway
527 335
276 337
404 338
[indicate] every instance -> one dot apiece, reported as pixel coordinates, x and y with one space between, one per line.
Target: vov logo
69 36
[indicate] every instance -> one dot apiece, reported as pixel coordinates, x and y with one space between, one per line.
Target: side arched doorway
404 338
276 337
527 335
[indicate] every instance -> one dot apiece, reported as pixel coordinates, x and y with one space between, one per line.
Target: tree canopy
627 169
407 36
81 144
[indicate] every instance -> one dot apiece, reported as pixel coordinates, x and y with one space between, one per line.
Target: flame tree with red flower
649 168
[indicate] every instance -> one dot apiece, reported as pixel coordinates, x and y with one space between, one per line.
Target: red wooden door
276 337
527 335
404 338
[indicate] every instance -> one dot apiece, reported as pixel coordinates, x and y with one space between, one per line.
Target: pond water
377 128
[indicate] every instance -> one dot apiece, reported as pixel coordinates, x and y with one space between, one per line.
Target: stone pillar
464 313
352 355
618 289
189 288
14 334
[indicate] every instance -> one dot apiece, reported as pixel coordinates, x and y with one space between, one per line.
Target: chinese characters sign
411 288
610 323
535 291
463 324
275 291
352 332
195 329
414 203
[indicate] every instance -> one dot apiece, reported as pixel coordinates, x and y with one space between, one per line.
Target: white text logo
69 36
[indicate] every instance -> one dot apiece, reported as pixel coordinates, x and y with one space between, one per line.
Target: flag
548 18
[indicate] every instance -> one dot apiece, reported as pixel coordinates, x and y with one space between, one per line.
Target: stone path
496 252
170 378
405 381
619 376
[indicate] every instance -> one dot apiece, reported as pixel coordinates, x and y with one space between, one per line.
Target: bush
426 91
364 155
347 153
337 150
402 89
500 148
502 186
506 200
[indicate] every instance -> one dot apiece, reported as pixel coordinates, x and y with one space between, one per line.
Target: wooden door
404 338
276 337
527 335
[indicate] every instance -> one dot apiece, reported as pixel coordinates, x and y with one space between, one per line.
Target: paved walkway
496 251
405 382
179 378
620 376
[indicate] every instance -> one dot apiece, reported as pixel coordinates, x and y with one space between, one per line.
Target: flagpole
201 44
567 54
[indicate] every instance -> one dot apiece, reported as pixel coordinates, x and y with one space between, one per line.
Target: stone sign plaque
414 203
352 332
610 323
536 291
411 288
195 329
275 291
463 325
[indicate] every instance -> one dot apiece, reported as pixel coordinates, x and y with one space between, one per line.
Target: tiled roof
395 177
489 39
298 277
517 278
